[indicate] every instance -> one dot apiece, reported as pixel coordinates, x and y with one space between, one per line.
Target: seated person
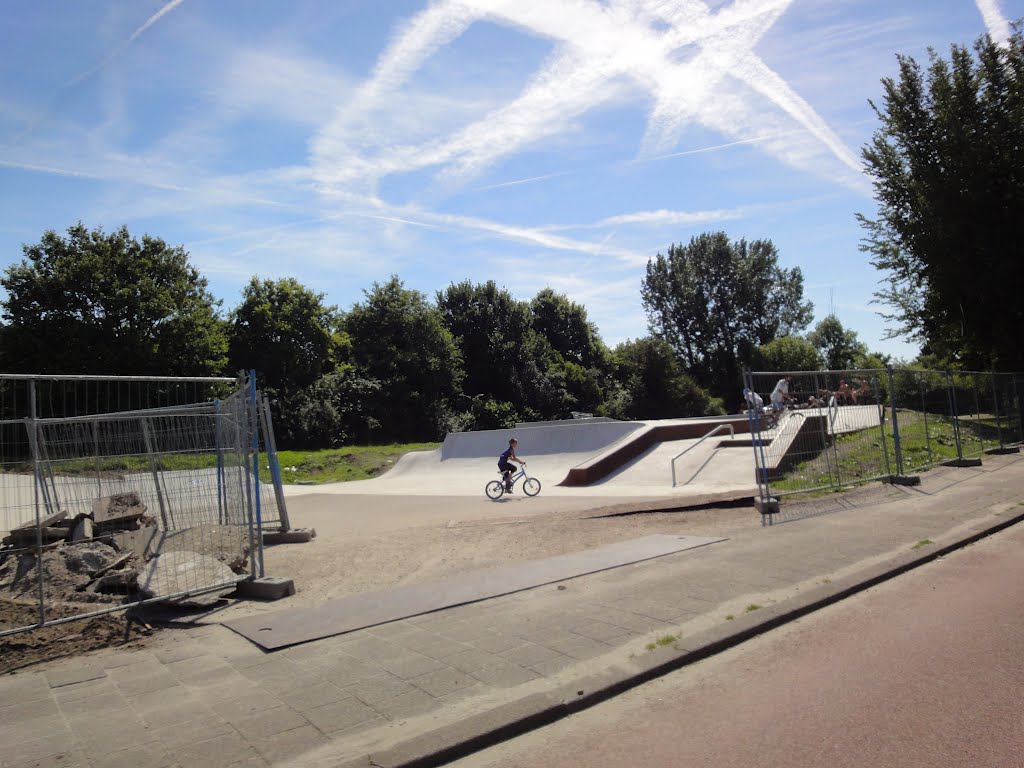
863 392
844 394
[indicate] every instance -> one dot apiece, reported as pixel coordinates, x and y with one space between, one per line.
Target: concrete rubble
117 549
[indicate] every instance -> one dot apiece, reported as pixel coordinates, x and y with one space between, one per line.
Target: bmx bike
496 488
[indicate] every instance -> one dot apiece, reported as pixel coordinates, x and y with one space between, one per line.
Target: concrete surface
425 690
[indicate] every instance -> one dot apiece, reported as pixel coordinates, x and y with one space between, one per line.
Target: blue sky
537 143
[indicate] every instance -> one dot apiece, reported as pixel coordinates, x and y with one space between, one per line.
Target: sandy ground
429 538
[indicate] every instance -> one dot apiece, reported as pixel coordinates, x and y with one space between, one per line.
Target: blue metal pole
254 425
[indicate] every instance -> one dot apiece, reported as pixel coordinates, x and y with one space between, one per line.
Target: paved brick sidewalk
424 689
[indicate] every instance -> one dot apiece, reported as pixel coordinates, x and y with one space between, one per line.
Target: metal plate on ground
291 626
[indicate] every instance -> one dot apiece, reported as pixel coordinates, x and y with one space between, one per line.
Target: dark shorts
506 466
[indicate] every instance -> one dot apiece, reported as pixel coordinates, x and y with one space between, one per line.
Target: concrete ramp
583 436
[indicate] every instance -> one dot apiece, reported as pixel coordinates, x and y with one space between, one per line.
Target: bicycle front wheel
531 486
495 489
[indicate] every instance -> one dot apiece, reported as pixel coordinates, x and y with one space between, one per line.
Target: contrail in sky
131 39
998 27
93 70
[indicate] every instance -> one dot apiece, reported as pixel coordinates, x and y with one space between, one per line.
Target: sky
536 143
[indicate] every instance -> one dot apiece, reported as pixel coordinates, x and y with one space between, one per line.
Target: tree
284 331
652 385
503 359
108 304
566 327
714 301
787 353
398 340
948 176
839 348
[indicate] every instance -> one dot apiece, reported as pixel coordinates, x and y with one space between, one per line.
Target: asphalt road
925 670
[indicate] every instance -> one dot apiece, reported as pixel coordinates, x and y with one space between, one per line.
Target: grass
662 641
336 465
753 607
922 543
924 440
308 467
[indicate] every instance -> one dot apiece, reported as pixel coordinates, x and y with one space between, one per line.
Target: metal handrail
732 433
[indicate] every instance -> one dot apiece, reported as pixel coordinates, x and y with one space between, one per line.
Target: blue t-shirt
503 459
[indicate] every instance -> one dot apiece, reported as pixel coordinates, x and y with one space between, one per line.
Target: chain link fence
104 509
820 430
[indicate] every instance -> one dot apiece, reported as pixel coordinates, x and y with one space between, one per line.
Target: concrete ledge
640 440
267 588
508 721
961 463
294 536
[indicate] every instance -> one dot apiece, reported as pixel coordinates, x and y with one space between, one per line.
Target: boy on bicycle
505 463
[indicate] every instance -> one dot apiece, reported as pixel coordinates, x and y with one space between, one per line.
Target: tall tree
399 341
565 325
286 332
714 301
652 384
501 356
838 346
948 173
102 303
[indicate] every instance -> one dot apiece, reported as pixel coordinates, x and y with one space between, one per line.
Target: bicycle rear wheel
494 489
531 486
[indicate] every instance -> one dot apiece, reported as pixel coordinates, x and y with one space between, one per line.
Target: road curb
508 721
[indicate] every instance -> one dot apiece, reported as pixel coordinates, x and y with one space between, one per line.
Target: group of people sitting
782 398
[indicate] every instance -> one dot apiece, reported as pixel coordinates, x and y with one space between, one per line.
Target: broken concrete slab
227 543
139 541
46 522
120 582
173 573
27 537
88 558
82 530
120 507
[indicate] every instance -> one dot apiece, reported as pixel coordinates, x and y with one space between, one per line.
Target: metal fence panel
827 429
833 428
103 511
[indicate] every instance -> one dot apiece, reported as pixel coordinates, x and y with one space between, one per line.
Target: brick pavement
425 689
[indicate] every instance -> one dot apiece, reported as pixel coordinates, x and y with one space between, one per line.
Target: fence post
895 421
275 465
254 426
995 405
954 416
219 438
1020 411
147 437
880 405
33 437
764 503
924 411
